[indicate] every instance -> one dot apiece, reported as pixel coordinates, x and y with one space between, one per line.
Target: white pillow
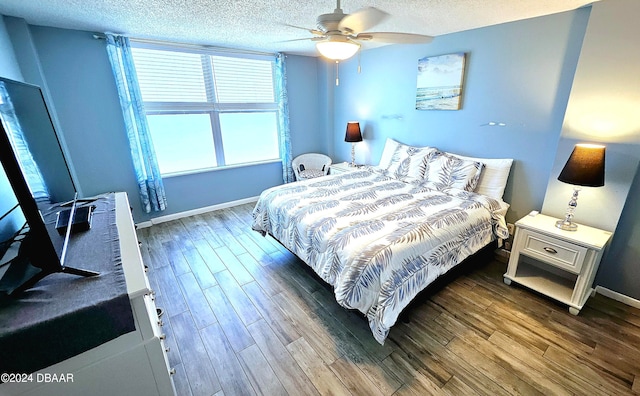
403 161
446 171
493 178
409 162
390 147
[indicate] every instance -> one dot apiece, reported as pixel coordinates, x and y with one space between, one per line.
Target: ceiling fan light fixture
337 48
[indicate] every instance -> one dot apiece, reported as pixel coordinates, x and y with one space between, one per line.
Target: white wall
604 107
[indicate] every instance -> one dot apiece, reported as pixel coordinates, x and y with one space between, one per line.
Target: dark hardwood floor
243 316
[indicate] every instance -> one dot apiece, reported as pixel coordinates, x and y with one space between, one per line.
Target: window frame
212 106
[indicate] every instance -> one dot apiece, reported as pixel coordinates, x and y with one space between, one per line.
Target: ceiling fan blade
302 39
395 38
312 31
361 20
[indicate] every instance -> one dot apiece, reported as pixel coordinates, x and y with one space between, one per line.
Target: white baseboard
193 212
618 297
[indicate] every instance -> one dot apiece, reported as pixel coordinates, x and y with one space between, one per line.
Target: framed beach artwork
440 82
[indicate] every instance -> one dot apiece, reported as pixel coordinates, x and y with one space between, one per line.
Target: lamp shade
585 166
353 132
337 48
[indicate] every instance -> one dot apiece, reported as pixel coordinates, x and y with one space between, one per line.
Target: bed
380 235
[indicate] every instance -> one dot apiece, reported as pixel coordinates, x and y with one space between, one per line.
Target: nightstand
559 264
342 167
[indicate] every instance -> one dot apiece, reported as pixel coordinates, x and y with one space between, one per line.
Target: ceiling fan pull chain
359 68
337 74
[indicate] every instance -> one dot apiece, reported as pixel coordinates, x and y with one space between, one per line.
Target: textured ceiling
260 25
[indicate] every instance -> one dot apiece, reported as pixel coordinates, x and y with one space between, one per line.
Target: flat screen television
27 251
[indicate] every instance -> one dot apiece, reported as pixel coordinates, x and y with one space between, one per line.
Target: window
207 109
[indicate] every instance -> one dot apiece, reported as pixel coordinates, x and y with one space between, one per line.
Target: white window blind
166 76
241 80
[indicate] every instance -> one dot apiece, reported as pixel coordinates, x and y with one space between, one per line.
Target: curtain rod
102 36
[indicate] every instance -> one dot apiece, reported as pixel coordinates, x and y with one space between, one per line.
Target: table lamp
353 136
585 167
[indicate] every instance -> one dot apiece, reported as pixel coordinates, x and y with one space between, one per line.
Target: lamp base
353 155
566 225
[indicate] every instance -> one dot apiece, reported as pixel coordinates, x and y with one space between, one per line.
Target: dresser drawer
561 254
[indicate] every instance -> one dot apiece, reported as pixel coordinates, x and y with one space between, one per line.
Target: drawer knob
172 371
550 250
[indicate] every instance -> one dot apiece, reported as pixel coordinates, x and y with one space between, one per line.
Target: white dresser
133 364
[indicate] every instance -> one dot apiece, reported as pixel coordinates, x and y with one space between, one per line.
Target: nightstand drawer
561 254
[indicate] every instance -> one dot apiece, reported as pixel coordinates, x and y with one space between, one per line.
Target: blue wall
79 79
9 67
517 73
306 106
77 72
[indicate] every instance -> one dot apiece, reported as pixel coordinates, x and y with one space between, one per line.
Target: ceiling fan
338 35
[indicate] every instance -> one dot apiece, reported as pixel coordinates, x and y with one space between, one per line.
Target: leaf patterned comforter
377 240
